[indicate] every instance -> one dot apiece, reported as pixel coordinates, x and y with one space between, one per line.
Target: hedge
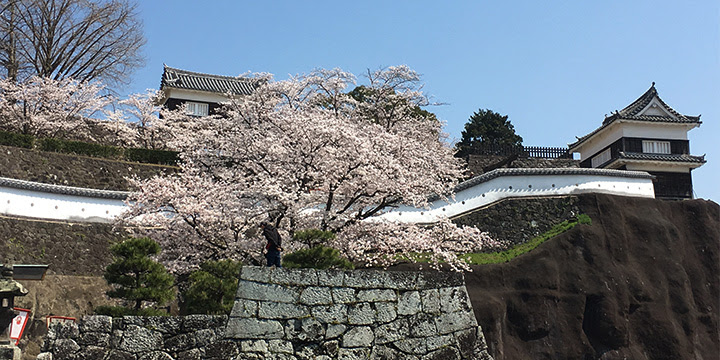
80 148
162 157
150 156
17 140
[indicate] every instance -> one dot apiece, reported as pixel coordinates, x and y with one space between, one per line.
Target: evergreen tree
135 277
212 288
487 129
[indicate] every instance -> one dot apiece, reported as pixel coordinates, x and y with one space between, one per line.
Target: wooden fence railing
523 151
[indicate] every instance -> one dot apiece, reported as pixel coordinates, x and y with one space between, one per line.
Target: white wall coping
58 202
501 184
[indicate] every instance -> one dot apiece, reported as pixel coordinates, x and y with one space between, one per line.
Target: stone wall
133 338
69 248
314 314
298 314
73 170
516 221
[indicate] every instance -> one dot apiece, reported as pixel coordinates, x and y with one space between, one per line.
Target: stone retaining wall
316 314
297 314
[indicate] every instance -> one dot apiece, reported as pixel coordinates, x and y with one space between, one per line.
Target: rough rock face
641 282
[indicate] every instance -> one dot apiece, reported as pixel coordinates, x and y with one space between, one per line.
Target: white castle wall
517 183
37 200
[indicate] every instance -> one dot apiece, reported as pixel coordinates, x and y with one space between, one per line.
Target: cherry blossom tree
306 154
51 108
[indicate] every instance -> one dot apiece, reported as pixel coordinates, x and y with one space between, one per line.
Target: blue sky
556 68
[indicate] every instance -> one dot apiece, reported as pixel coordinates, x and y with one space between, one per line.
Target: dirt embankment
641 282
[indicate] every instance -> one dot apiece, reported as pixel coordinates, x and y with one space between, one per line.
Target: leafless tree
82 39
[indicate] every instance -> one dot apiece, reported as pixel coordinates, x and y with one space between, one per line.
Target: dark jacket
273 238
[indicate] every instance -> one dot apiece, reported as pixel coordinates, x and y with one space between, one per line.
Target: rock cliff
641 282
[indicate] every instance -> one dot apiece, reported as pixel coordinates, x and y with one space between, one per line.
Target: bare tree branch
82 39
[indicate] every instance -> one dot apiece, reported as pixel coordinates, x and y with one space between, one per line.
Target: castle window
656 147
601 158
197 109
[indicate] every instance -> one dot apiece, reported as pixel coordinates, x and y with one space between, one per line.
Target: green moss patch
517 250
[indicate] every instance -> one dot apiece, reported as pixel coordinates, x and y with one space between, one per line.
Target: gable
656 108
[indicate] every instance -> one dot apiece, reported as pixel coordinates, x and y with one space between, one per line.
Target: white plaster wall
43 205
636 129
494 190
656 130
195 95
638 165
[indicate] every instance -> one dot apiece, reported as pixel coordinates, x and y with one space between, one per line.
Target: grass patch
517 250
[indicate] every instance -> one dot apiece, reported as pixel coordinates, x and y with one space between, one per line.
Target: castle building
203 93
647 135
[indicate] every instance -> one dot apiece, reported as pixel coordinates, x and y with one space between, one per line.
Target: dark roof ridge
195 73
63 189
630 113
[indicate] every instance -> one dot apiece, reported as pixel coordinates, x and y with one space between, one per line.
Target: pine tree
135 277
212 288
487 128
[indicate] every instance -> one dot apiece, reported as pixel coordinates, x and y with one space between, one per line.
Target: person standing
274 244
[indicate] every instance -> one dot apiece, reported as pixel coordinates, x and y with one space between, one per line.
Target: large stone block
294 277
409 303
331 314
305 330
137 339
354 354
385 312
254 346
396 330
422 325
316 296
361 336
451 322
376 295
200 322
400 280
273 310
267 292
361 314
411 346
454 299
280 346
334 331
430 301
255 273
243 328
366 279
330 277
343 295
244 308
96 323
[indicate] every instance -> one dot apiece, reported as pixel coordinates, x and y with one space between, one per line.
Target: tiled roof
61 189
183 79
631 112
663 157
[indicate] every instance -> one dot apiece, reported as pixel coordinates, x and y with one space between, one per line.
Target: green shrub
150 156
17 140
313 237
135 277
80 148
212 289
120 311
317 257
